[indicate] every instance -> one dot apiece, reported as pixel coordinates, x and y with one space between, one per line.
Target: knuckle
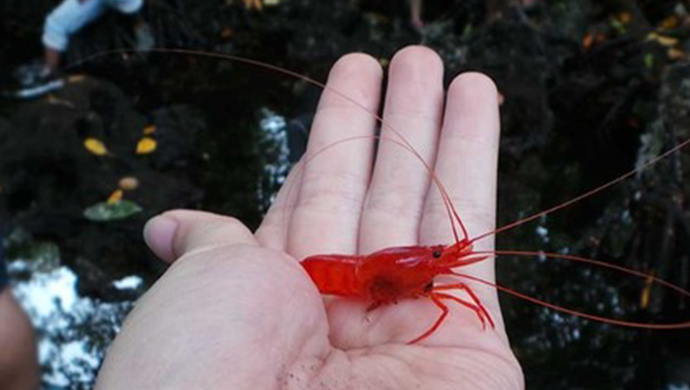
329 200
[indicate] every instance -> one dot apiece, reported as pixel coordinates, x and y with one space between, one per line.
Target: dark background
588 93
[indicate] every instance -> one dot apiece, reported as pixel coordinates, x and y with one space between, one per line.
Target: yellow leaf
148 130
662 39
646 291
146 145
667 41
115 197
129 183
95 146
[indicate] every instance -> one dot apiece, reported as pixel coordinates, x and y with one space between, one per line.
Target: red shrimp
391 274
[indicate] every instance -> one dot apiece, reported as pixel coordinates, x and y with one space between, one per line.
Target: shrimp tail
334 274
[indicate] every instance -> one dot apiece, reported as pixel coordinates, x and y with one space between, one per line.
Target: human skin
416 13
52 59
19 368
235 310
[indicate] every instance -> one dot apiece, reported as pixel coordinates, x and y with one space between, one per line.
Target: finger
467 159
273 231
467 164
176 233
338 161
413 109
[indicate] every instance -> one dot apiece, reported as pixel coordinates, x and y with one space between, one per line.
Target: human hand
236 310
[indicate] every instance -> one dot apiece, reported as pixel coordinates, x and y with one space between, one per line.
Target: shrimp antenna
649 277
453 214
584 195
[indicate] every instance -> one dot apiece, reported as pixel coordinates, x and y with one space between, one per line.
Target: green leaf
104 211
649 60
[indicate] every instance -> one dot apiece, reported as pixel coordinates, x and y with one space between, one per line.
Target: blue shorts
71 15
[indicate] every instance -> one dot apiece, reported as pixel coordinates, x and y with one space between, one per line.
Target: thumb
176 233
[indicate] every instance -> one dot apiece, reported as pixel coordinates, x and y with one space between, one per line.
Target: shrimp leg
436 298
475 300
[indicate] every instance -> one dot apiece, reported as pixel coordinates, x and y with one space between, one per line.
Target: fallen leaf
148 130
662 39
625 17
115 197
618 25
649 60
104 211
587 41
129 183
646 291
95 147
675 54
146 145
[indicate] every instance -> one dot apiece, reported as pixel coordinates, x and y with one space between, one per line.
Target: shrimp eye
436 254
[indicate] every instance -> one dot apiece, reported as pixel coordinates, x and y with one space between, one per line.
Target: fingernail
159 234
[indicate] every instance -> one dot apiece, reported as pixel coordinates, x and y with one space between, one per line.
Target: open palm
237 311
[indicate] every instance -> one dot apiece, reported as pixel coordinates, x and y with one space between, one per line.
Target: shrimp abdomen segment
334 274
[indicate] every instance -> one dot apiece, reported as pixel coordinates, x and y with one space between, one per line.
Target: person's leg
142 31
416 13
65 20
